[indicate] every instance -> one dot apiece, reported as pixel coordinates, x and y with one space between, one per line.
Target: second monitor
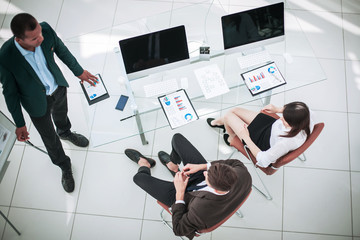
253 28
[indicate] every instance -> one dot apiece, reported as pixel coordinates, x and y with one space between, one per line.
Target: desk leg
140 128
8 221
266 98
3 170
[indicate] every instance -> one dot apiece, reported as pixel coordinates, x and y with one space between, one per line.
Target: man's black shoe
135 156
165 159
76 139
67 181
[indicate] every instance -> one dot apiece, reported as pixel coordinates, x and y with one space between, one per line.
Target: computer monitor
253 28
154 52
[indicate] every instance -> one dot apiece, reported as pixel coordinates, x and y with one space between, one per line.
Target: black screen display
154 49
253 25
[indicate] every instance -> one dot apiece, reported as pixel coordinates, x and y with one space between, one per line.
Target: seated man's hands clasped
180 183
193 168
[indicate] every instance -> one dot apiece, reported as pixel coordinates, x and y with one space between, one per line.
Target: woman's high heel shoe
209 120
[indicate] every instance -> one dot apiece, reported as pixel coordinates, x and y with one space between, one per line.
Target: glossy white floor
318 199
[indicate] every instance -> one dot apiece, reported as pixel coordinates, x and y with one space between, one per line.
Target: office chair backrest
199 232
225 219
290 156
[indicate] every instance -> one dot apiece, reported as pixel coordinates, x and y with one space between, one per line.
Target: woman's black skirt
260 130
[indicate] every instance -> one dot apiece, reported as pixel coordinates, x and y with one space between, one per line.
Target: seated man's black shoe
76 139
165 159
209 120
67 180
135 156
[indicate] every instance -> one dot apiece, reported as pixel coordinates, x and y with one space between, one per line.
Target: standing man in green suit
31 79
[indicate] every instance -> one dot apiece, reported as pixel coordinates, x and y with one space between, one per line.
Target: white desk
106 125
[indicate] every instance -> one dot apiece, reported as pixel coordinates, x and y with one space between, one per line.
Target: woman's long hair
297 115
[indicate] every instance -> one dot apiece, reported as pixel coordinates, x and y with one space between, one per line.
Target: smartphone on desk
122 102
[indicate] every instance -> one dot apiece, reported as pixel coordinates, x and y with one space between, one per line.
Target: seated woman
267 138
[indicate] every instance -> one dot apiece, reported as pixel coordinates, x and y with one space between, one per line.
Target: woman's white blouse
279 146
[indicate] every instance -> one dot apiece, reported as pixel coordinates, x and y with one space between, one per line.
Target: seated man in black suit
202 194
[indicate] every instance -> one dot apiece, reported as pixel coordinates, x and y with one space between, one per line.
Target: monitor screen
253 26
152 50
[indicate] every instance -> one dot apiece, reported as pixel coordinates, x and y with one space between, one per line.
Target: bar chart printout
178 108
263 78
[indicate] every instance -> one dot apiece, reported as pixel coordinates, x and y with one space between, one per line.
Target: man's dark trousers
57 110
164 191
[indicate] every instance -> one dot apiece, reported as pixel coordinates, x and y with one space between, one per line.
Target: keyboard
254 59
160 88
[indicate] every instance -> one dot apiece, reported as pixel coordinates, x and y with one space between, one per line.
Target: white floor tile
132 10
157 230
351 36
306 236
100 227
40 225
87 17
152 208
108 189
252 4
49 12
39 182
354 137
330 94
297 43
4 4
271 211
350 6
235 233
323 29
5 211
316 204
355 178
317 5
353 85
330 150
8 182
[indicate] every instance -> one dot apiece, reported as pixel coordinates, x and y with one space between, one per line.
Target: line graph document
211 81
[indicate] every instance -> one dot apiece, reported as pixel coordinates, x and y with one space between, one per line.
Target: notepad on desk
211 81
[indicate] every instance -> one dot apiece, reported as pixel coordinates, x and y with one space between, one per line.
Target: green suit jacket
22 86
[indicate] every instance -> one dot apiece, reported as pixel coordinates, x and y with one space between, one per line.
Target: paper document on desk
211 81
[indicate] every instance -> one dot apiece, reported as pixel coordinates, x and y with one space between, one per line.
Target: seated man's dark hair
221 176
21 23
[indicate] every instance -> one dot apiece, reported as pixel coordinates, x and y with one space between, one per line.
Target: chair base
302 157
166 223
238 213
